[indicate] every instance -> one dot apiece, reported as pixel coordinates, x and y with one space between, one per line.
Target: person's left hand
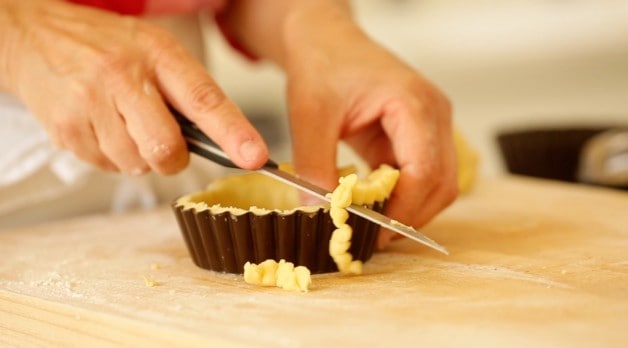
350 89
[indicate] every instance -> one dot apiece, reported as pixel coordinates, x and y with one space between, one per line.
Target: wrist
318 29
277 29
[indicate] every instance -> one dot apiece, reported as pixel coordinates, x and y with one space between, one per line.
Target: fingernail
250 151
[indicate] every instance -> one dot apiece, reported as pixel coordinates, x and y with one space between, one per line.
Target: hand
100 84
344 87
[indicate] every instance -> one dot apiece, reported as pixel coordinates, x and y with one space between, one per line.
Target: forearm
8 41
277 29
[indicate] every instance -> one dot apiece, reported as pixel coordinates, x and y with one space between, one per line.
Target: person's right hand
100 84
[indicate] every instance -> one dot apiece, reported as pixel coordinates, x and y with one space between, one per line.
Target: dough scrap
468 160
376 188
281 274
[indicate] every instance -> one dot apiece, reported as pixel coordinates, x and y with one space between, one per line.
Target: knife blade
202 145
359 210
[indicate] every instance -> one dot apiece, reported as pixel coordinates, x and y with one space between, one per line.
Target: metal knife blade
364 212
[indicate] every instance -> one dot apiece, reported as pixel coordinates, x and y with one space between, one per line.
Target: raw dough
282 274
377 187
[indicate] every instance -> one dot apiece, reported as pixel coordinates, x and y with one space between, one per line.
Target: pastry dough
377 187
282 274
467 163
340 241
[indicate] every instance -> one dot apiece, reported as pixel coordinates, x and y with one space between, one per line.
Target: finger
79 138
188 87
415 206
427 163
314 160
116 143
437 200
373 146
151 126
415 145
446 189
404 204
314 142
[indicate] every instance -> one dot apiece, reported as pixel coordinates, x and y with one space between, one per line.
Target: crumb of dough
268 270
355 267
281 274
150 282
155 266
252 273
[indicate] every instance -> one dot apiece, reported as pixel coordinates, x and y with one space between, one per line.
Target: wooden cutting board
533 263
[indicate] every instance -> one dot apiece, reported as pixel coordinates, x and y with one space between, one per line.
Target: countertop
532 263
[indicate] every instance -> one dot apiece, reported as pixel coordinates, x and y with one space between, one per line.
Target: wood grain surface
532 263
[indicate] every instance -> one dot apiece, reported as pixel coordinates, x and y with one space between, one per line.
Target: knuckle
167 156
205 97
416 86
101 161
73 139
152 35
428 173
125 158
113 62
81 91
430 177
447 104
67 133
132 24
427 98
450 193
445 108
93 156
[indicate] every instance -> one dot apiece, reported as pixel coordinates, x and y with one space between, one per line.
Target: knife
202 145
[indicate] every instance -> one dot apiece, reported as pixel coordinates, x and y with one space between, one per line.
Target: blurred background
504 64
